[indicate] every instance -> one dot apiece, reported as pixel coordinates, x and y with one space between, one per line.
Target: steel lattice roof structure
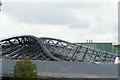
49 49
0 5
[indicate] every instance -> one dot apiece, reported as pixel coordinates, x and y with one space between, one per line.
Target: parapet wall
68 69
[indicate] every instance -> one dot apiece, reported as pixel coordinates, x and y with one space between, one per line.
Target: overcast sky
70 21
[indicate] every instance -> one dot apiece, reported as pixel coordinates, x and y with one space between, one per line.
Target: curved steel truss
51 49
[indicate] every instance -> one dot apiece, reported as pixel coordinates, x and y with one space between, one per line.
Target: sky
73 21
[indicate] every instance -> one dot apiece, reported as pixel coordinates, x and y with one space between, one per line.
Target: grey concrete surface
68 69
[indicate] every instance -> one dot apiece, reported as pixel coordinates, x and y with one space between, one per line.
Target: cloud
11 27
73 23
49 13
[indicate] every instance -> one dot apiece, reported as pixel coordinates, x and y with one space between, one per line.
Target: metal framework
0 5
49 49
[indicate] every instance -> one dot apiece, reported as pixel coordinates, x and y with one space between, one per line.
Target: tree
25 69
